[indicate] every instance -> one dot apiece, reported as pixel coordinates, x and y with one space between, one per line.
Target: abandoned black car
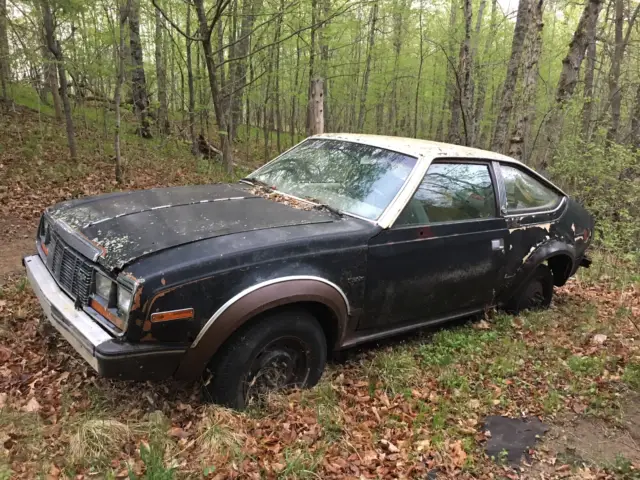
341 240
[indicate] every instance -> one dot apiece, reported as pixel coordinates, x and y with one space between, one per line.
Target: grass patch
96 442
394 369
586 366
300 463
631 376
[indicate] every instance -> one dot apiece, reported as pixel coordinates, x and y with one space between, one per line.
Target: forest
552 83
113 95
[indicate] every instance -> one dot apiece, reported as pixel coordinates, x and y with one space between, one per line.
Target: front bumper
108 356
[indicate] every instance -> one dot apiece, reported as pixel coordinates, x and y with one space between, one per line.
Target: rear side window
451 192
525 192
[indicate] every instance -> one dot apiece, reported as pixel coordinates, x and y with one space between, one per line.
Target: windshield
350 177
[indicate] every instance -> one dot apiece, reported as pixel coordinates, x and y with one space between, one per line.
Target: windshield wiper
256 182
323 206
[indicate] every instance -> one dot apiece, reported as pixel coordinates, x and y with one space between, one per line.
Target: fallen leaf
32 406
599 339
482 325
177 432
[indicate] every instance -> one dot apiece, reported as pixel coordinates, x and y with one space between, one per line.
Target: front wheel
536 294
280 350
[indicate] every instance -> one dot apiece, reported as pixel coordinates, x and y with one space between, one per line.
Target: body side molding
255 300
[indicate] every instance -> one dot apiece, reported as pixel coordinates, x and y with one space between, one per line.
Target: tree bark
450 86
205 32
615 96
138 81
56 50
615 89
569 76
392 113
316 107
498 143
5 73
519 146
192 93
481 78
418 80
123 14
635 122
461 102
238 69
161 76
367 68
589 74
51 78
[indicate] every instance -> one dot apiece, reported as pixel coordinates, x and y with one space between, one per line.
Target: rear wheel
536 294
283 349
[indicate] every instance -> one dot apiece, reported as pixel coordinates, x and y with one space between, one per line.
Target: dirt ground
16 241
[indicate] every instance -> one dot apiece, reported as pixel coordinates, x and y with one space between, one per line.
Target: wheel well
325 316
560 266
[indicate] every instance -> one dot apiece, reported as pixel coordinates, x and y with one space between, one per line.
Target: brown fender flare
253 301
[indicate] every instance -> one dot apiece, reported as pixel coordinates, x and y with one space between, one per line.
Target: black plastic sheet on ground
512 438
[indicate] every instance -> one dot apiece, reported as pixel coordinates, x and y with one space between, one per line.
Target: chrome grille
72 271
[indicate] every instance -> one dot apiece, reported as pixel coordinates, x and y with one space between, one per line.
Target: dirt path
16 241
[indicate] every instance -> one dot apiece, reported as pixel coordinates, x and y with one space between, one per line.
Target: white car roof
418 147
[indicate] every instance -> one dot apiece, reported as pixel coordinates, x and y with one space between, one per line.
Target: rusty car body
161 283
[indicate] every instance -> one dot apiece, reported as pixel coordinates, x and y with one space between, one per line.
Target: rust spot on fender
163 281
147 326
136 299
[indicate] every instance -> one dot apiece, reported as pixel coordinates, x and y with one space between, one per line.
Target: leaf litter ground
409 408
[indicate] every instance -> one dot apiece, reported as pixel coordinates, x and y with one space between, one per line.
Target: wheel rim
536 296
282 363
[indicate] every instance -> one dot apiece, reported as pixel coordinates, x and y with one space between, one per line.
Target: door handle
497 245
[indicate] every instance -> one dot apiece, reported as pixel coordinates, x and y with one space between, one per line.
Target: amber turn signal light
182 314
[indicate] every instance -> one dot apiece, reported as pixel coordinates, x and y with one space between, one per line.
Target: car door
531 207
444 254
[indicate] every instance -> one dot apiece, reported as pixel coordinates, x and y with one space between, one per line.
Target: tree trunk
238 69
56 51
498 144
120 80
392 113
277 85
294 98
312 57
367 68
481 79
316 107
5 73
418 80
192 93
461 102
569 76
450 86
52 82
138 81
615 89
589 74
205 32
635 122
519 146
323 40
161 75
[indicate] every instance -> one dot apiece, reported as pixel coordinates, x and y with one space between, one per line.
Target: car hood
116 229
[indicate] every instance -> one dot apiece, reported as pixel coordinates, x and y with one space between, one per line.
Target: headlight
104 286
124 300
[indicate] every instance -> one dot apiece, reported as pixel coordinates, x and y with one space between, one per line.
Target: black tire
536 294
283 349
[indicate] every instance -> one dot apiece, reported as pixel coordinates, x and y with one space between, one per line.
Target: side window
451 192
525 192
